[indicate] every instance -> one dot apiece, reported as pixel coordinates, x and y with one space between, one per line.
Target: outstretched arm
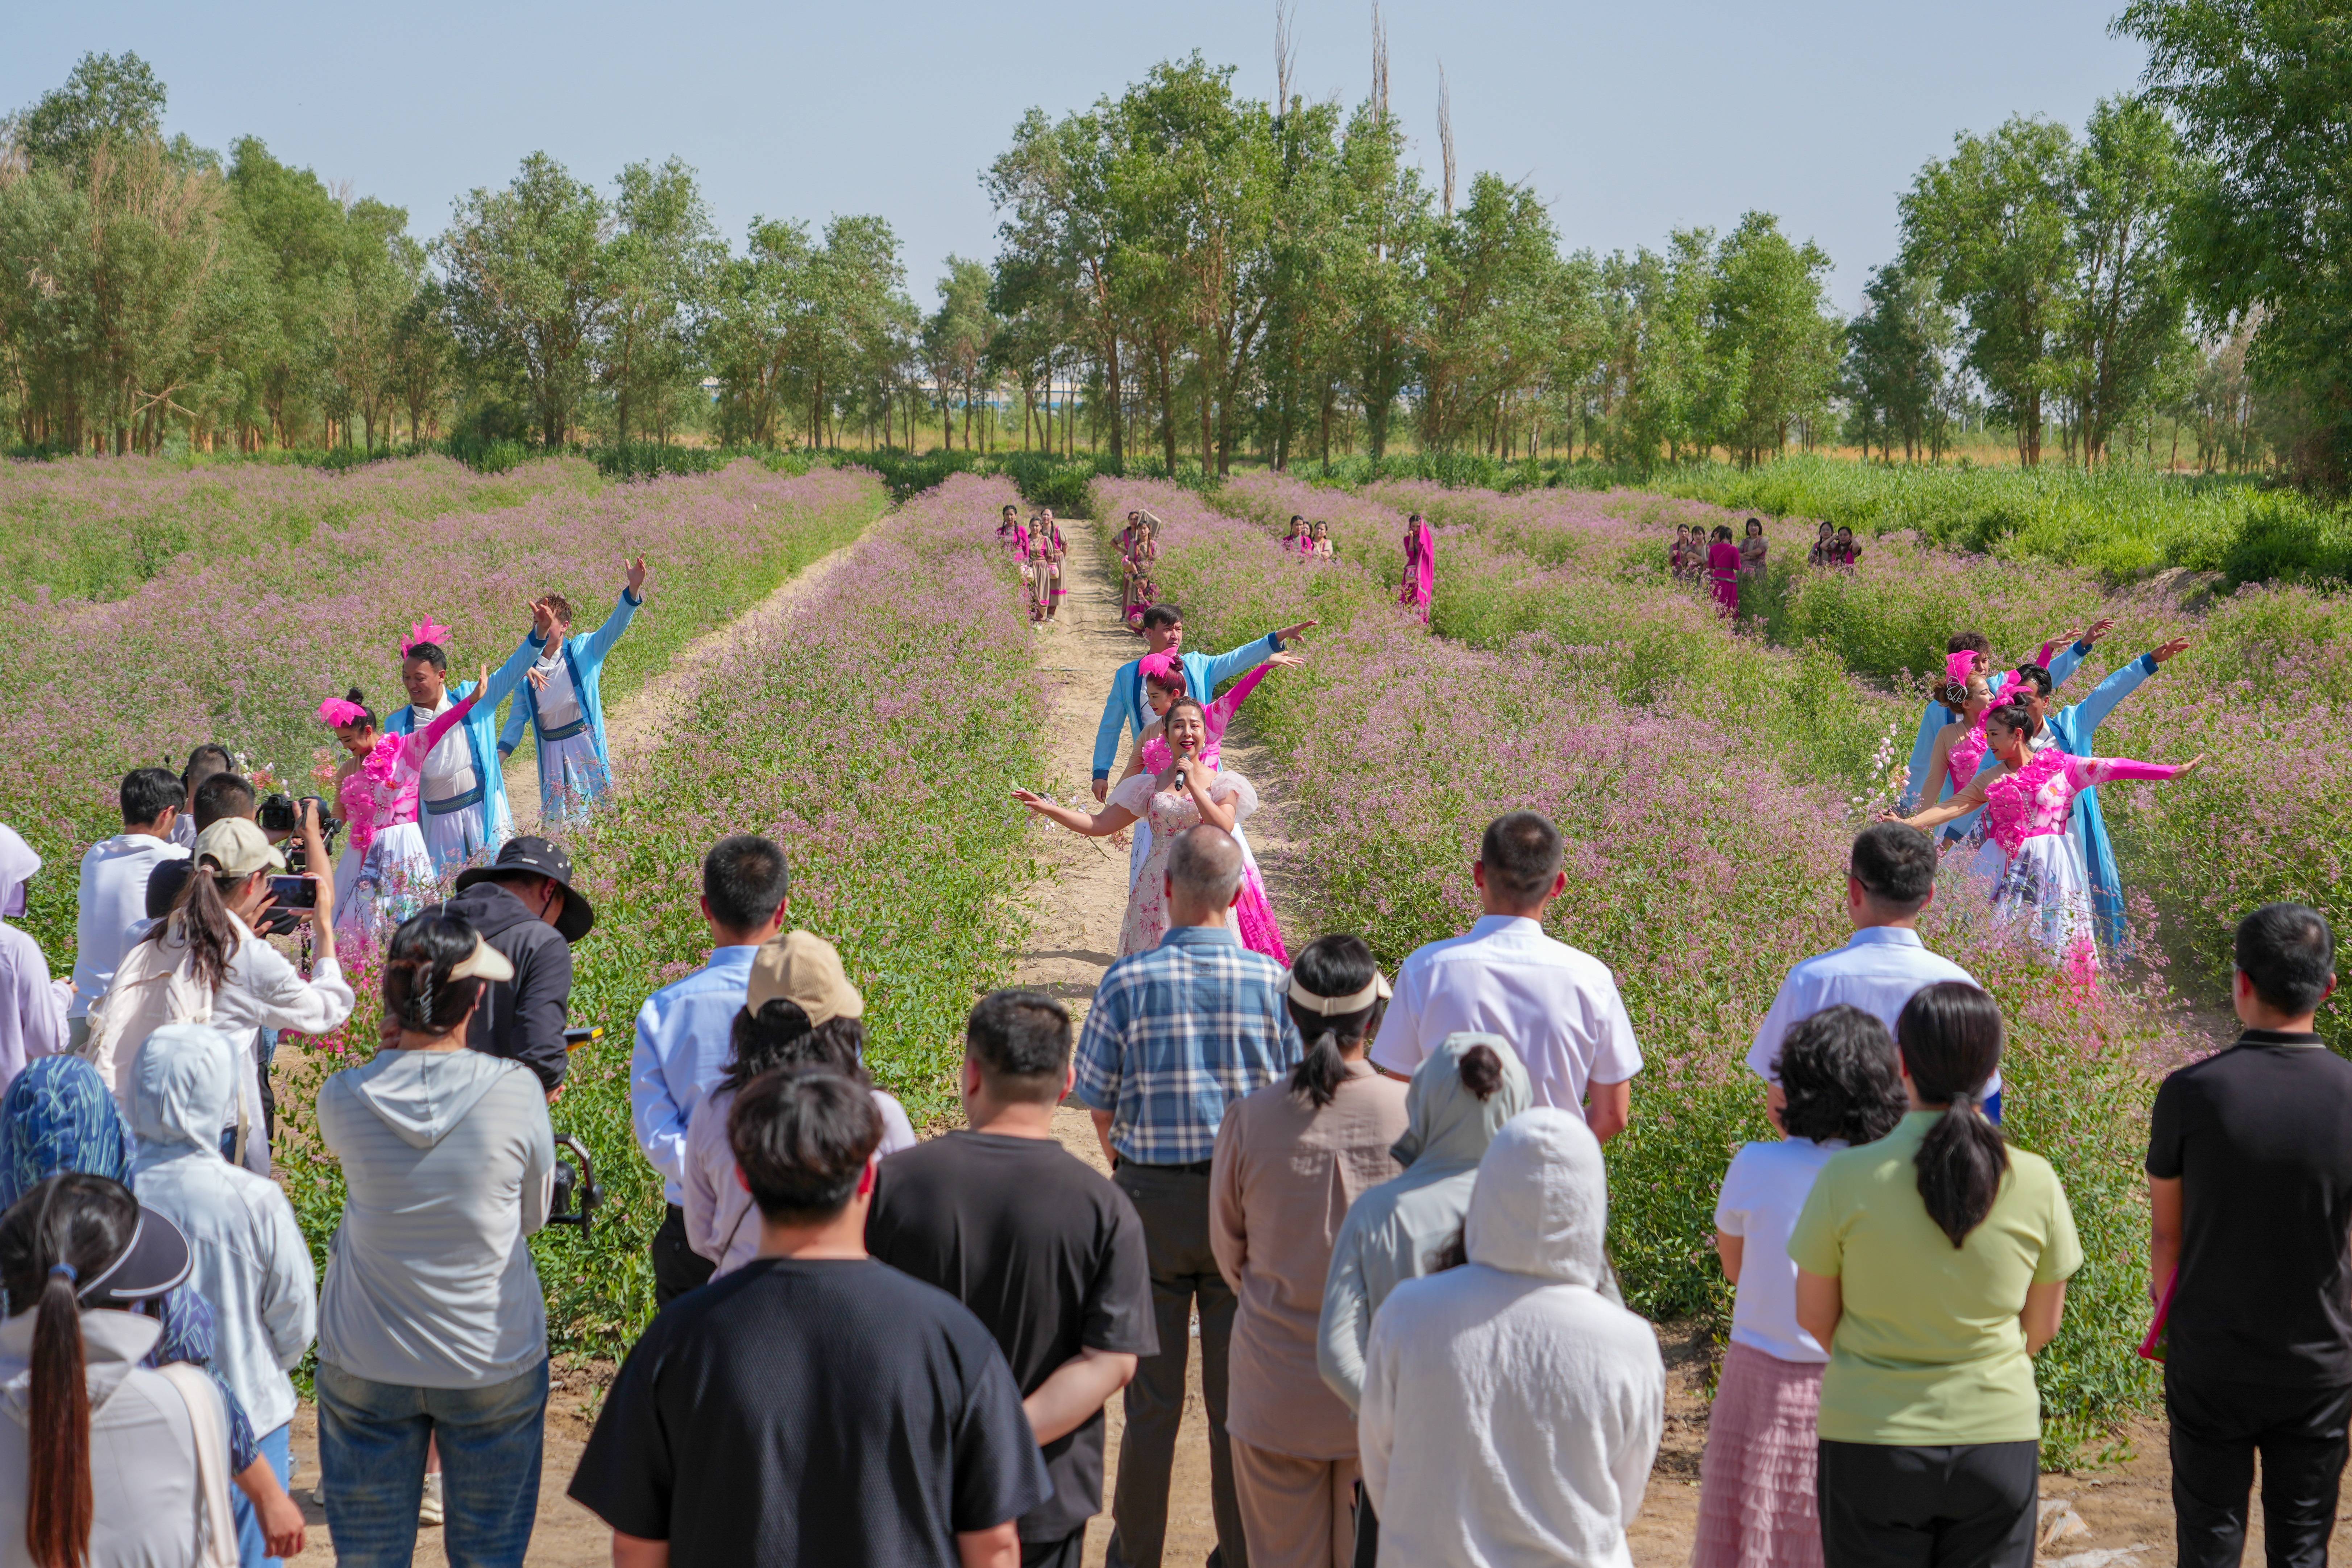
2090 712
633 597
494 689
1101 825
1959 805
2090 772
1221 712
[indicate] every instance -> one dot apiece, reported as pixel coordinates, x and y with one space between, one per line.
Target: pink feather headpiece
425 630
1168 669
1958 666
338 711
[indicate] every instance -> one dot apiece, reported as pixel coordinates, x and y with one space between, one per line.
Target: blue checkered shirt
1176 1034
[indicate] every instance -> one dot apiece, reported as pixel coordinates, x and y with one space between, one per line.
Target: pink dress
1723 568
1167 812
1253 916
396 867
1420 571
2043 890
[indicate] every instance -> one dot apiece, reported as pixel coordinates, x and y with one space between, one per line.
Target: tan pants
1296 1513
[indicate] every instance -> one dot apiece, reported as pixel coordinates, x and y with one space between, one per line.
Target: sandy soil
2119 1517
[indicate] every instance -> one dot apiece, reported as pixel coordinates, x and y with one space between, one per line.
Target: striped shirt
1176 1034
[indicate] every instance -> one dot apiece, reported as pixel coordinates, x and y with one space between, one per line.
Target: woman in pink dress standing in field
1723 571
1420 584
386 870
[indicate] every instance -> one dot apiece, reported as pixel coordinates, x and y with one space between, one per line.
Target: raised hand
543 619
2176 646
2099 628
635 572
2191 764
1286 633
1284 660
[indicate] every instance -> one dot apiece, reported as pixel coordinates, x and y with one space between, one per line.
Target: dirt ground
2118 1517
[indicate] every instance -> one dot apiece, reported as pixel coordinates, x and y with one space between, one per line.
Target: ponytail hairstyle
418 992
1949 1035
65 1231
199 916
1334 967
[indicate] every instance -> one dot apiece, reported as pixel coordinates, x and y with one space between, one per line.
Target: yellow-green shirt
1929 1352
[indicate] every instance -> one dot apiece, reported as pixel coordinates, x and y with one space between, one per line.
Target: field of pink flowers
1706 856
880 751
241 648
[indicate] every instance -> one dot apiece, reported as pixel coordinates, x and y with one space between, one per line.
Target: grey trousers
1173 1204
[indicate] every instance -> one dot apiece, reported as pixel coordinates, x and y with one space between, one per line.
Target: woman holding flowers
1186 793
2042 888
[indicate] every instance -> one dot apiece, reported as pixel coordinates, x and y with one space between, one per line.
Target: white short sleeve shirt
1557 1007
1763 1192
1878 971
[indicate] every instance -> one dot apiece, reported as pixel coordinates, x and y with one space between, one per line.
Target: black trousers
1368 1530
1967 1507
677 1268
1173 1203
1062 1553
2217 1429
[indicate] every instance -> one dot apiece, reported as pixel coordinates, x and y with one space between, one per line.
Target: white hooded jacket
1510 1412
32 1006
251 1265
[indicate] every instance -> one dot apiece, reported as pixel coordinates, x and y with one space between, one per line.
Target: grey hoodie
1394 1231
449 1162
250 1263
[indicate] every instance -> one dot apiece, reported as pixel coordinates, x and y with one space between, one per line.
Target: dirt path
637 724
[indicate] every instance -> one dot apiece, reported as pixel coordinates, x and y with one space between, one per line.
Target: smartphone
576 1039
294 892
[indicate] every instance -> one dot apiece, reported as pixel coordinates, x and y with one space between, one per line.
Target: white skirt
2044 894
395 879
571 774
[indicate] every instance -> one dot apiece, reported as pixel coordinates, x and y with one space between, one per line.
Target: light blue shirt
1879 970
685 1039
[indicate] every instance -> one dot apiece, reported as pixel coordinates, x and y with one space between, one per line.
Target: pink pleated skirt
1757 1504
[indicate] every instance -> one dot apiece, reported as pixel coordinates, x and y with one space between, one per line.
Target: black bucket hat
548 859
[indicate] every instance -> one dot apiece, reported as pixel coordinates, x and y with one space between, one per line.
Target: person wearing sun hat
432 1324
525 906
149 1460
799 1010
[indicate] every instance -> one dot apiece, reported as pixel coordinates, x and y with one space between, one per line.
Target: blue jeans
252 1550
371 1441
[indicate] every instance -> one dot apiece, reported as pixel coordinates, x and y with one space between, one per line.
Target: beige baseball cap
804 969
237 845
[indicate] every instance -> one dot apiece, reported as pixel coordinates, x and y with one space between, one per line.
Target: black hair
358 699
223 796
780 1035
1838 1068
1161 614
66 1229
1336 965
1022 1041
204 761
148 793
802 1137
2288 950
2037 675
1968 642
1481 1070
1755 523
1949 1035
2011 713
418 994
1954 695
1722 530
1845 528
1895 863
1521 851
746 880
431 653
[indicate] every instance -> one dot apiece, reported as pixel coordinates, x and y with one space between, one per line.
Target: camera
294 892
283 814
576 1192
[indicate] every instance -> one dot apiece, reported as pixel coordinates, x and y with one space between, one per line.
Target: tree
2264 223
956 340
1770 317
528 287
1390 229
107 99
1992 225
763 335
656 272
1897 362
2126 342
1491 275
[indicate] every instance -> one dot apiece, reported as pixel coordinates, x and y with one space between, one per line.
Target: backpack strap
208 1422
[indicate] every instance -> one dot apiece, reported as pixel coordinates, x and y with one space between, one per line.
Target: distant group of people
1698 555
1042 549
1309 540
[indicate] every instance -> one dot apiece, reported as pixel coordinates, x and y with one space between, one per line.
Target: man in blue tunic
563 707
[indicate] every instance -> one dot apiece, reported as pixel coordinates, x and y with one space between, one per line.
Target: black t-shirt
807 1411
2260 1137
1045 1252
163 885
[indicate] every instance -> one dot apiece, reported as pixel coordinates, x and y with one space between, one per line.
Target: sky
1628 120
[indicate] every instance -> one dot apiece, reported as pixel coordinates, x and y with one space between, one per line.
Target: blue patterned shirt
1176 1034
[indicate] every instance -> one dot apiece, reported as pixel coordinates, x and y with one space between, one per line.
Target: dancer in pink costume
1188 794
1420 586
1723 571
385 861
1011 534
2043 889
1164 685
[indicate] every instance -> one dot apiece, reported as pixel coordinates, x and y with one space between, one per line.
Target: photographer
526 909
225 796
206 761
207 945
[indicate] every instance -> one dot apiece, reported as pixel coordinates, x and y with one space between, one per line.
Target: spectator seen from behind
814 1405
1511 1412
1045 1253
685 1035
526 908
32 1007
1559 1007
2250 1191
203 763
113 893
1933 1264
1176 1034
799 1010
1291 1158
1841 1087
248 1259
431 1325
1890 882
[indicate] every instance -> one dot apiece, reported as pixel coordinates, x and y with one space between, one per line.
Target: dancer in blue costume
1931 722
563 707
